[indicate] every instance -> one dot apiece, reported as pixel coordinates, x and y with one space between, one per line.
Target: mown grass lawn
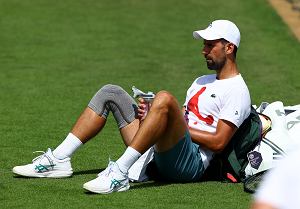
54 55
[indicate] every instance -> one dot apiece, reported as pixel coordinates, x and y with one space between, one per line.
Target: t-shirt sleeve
236 106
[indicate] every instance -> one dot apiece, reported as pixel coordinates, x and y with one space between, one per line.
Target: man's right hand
143 108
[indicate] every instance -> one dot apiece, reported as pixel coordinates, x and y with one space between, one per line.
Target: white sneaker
46 165
108 181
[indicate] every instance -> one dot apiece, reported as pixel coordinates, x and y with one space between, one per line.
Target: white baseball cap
220 29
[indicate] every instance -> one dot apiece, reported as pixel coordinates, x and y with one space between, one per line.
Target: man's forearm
206 140
217 141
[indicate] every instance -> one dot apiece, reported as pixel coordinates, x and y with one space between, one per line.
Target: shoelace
107 171
38 157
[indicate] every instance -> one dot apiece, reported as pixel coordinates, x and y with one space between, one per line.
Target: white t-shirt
209 99
281 186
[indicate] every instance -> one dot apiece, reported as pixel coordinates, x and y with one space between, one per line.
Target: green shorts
182 163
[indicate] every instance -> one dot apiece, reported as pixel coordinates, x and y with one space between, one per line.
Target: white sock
129 157
67 147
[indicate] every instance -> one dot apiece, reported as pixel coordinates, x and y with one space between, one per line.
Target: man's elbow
218 148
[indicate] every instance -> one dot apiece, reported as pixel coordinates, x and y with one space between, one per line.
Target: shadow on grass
21 177
76 173
91 171
149 184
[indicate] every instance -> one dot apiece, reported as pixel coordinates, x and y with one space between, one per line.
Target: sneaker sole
94 190
49 174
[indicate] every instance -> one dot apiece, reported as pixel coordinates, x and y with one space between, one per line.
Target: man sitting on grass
184 140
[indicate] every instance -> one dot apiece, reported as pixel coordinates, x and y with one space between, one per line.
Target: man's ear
229 48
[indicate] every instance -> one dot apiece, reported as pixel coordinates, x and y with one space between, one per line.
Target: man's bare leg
88 125
163 127
110 98
129 131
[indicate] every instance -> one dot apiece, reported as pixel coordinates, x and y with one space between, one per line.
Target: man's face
214 53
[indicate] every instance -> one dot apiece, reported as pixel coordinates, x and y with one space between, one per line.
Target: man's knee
164 101
108 93
113 98
111 88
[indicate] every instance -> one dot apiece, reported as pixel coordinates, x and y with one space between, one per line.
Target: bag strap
234 162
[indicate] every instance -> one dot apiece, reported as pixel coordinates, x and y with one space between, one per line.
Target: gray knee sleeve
115 99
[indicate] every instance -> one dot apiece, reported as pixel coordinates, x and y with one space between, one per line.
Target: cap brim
205 34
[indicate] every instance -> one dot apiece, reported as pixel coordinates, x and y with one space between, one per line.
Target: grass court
54 55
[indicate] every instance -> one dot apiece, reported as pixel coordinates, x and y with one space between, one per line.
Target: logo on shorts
213 96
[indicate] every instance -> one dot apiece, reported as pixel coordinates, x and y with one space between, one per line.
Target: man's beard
215 65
